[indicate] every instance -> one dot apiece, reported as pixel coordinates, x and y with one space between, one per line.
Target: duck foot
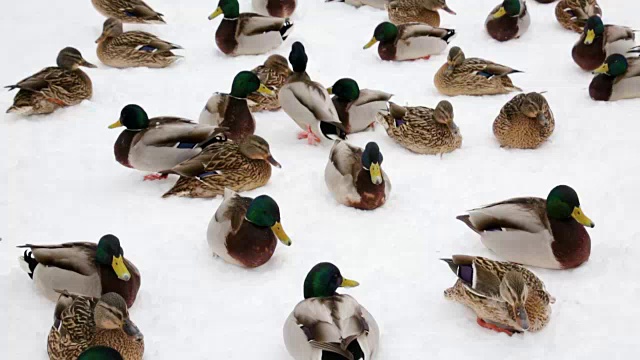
496 328
153 177
312 139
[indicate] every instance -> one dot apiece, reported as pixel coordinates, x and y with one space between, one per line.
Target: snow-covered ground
63 184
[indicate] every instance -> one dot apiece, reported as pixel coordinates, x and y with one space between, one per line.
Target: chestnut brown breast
572 245
251 245
226 36
238 118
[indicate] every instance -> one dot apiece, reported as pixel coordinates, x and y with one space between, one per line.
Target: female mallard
128 11
275 8
238 166
159 143
82 267
508 20
598 41
421 11
357 108
619 78
308 103
231 111
273 74
248 33
53 87
409 41
81 322
532 231
378 4
573 14
133 48
421 129
243 230
329 325
505 296
525 122
100 353
354 176
474 76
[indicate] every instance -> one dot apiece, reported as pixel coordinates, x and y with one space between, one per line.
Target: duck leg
153 177
493 327
309 135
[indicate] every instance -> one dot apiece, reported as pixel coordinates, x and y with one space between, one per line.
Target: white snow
63 184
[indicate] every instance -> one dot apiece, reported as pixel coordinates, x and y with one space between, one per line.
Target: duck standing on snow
133 48
409 41
357 108
531 231
525 122
378 4
239 166
308 103
231 111
159 143
248 33
598 41
505 296
474 76
328 325
421 11
508 20
53 87
276 8
82 267
618 78
421 129
243 230
354 176
273 74
83 322
573 14
128 11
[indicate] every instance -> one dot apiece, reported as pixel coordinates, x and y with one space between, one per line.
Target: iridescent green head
345 89
265 212
247 82
615 65
508 8
593 29
230 9
384 32
563 204
109 253
100 353
133 117
298 57
323 280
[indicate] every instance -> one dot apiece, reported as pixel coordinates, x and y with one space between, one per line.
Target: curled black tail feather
450 34
31 261
285 28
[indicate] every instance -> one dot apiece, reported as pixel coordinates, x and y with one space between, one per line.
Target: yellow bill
376 173
120 268
371 42
330 90
581 217
603 69
591 35
346 283
216 13
116 124
265 90
279 231
500 13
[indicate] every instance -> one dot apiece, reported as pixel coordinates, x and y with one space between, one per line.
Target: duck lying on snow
409 41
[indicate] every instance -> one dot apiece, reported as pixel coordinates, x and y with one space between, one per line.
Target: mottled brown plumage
525 122
273 74
573 14
128 11
423 11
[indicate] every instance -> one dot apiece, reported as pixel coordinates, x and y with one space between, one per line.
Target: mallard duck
82 267
409 41
53 87
598 41
421 129
508 20
308 103
238 166
231 111
100 353
159 143
83 321
421 11
243 230
329 325
378 4
133 48
474 76
619 78
276 8
273 74
357 108
532 231
525 122
354 177
573 14
248 33
505 296
129 11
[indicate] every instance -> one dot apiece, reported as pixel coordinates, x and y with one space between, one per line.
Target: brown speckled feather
128 11
125 50
513 128
465 80
573 14
273 76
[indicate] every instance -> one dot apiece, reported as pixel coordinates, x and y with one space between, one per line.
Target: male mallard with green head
525 122
421 11
82 267
598 41
508 20
243 230
231 111
409 41
128 11
618 78
248 33
533 231
53 87
328 325
357 108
